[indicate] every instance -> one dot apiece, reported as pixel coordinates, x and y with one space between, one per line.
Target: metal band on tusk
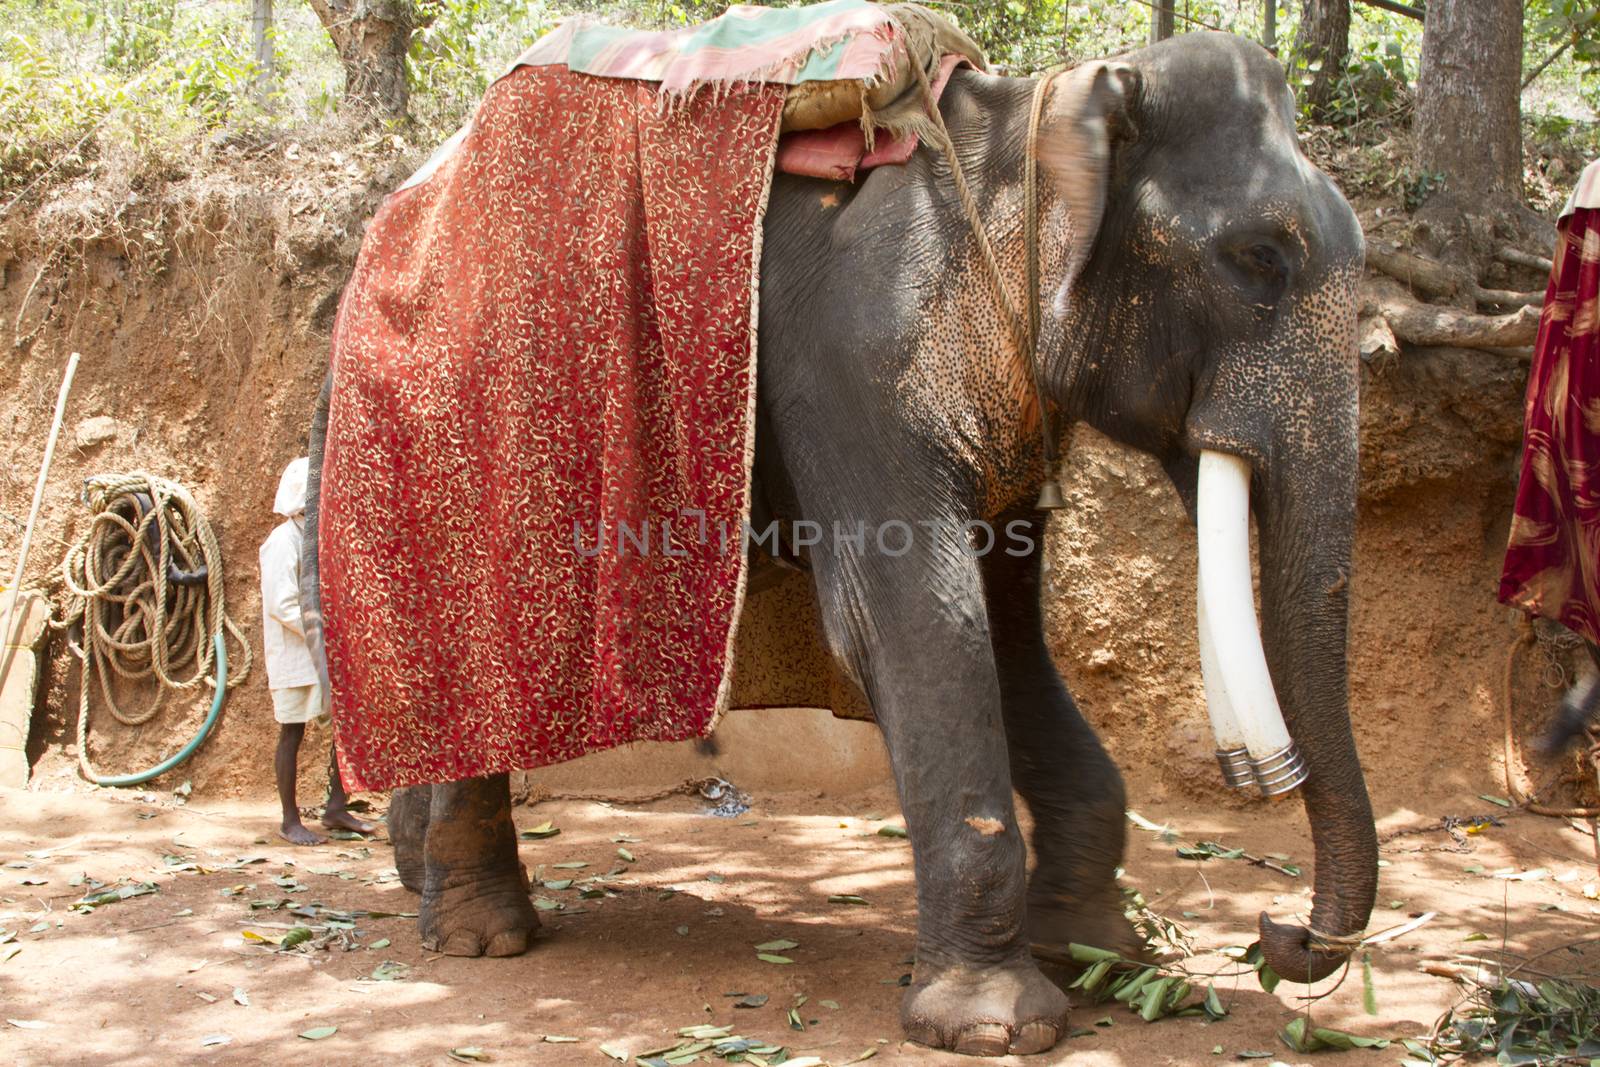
1236 769
1280 773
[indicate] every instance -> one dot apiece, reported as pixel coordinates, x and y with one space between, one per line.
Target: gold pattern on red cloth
1552 563
547 345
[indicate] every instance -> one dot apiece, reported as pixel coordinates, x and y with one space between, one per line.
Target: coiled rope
1527 637
146 583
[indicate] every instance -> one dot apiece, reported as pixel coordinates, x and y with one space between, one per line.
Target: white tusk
1237 680
1232 756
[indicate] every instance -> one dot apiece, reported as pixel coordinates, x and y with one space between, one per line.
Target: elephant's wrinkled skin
1215 310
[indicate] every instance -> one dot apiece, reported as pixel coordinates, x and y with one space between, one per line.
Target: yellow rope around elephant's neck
1023 324
136 624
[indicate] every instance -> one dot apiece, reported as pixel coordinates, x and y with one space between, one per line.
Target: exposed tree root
1429 325
1436 280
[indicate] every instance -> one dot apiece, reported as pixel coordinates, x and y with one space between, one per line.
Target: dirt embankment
202 311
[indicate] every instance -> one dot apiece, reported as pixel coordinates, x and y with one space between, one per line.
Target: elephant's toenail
508 943
462 944
922 1033
1034 1037
983 1039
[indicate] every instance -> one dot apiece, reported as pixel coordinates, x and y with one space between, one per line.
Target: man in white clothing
291 674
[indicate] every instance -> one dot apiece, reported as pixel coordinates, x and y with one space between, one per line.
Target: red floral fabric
1552 563
549 337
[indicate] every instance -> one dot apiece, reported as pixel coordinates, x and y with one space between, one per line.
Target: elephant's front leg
475 891
1073 790
914 631
409 811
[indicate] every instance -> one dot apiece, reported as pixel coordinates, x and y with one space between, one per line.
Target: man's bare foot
341 819
297 834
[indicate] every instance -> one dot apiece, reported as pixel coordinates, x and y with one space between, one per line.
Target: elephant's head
1212 324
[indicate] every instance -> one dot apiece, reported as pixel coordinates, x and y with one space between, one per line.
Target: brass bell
1050 496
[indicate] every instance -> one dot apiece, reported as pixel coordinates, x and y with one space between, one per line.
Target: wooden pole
261 44
33 512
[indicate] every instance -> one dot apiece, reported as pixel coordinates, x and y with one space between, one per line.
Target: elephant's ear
1088 107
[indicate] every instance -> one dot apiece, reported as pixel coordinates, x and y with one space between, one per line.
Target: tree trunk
1469 100
1323 44
372 38
1162 20
1269 28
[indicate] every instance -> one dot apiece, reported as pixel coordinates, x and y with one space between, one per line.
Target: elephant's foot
1056 920
984 1011
477 913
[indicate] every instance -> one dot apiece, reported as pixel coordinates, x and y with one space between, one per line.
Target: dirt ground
159 978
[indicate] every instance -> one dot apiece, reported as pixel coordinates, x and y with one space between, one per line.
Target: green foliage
1562 20
148 73
137 32
1553 1021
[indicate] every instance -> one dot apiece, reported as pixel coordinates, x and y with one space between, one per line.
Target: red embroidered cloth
550 336
1552 563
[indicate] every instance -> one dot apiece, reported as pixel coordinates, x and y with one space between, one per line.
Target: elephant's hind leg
475 894
1073 790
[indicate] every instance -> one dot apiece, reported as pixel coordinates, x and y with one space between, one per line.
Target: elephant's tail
310 574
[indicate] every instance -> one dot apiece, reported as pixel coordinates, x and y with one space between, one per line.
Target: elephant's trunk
1306 518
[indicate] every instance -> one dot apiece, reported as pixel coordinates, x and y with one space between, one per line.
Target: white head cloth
291 498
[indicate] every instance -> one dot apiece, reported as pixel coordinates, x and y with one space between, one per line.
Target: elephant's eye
1260 268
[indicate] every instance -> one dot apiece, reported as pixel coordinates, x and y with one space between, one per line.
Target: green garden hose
146 580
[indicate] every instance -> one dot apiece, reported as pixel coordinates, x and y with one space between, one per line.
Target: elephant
1197 298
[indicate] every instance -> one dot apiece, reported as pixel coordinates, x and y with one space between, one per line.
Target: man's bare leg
336 813
292 830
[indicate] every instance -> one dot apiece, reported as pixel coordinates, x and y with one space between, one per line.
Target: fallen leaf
317 1033
618 1054
470 1054
752 1000
892 831
777 946
846 898
27 1024
1491 798
558 1039
240 997
215 1039
390 971
382 942
625 854
767 957
544 829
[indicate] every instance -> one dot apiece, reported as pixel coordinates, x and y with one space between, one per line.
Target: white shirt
1587 192
289 662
